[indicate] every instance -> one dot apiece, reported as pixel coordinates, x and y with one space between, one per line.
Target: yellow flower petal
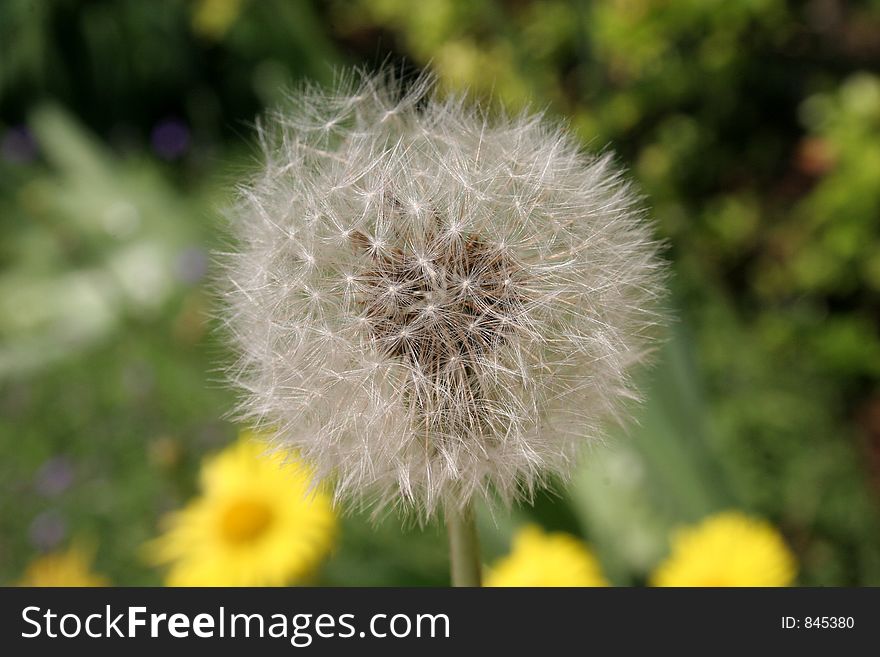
213 18
257 523
727 549
69 568
546 559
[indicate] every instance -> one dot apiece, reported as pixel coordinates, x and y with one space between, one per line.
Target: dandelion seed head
471 294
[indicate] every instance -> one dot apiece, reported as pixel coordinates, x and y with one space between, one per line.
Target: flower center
244 520
457 306
440 310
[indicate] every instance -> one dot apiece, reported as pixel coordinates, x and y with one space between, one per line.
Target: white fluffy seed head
431 304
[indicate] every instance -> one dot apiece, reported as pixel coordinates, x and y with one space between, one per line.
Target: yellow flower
546 559
727 549
213 18
69 568
257 523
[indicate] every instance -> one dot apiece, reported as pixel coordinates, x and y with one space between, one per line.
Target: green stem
464 547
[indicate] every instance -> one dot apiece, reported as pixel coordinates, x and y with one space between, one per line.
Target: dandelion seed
500 286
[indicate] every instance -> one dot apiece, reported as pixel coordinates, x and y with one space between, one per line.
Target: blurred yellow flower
72 567
539 558
727 549
257 523
212 18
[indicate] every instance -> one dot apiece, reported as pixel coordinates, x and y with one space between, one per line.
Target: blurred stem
464 547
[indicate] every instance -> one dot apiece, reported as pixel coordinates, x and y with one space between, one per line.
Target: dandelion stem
464 547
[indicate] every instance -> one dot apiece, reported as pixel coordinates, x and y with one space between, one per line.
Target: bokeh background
753 127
